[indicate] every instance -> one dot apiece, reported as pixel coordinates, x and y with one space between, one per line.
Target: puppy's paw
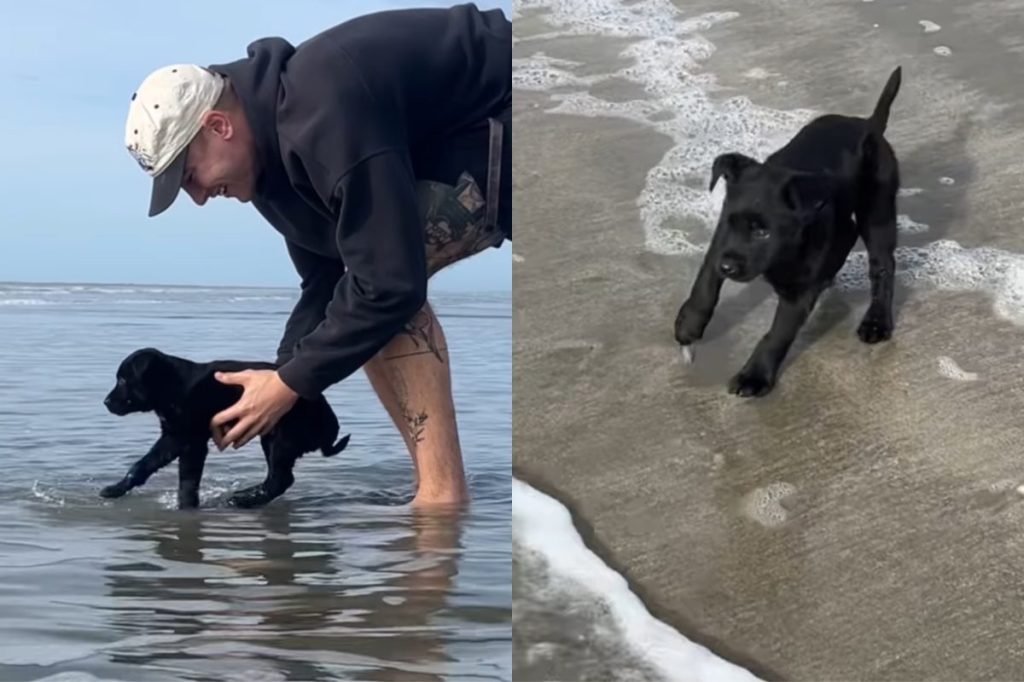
689 326
114 491
188 501
751 384
874 329
248 498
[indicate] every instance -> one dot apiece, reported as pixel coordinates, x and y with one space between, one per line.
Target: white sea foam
949 369
766 505
24 301
946 265
542 525
678 213
929 26
907 225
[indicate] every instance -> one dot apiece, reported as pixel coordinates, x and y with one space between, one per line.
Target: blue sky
73 202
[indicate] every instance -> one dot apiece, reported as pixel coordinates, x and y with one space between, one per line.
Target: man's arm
381 239
320 276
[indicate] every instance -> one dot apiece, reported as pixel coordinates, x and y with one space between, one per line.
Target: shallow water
338 579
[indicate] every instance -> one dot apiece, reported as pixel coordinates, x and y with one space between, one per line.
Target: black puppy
185 396
793 220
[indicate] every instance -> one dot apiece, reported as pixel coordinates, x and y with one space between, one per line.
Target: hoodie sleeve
380 238
320 276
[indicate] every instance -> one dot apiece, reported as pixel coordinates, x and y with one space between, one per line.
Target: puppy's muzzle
731 267
116 406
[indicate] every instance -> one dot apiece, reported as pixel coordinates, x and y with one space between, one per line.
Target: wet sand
863 522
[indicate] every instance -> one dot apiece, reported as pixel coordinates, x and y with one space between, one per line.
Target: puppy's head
141 380
765 215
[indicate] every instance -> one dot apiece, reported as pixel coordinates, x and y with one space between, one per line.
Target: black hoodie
345 123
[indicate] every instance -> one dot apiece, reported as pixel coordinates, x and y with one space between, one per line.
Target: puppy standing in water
185 396
793 220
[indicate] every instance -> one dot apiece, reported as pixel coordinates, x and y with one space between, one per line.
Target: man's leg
411 374
412 377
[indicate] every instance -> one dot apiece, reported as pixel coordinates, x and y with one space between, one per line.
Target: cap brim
167 185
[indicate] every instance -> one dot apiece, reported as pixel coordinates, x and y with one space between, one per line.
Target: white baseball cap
165 115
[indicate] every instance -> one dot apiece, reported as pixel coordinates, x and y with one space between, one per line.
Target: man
381 150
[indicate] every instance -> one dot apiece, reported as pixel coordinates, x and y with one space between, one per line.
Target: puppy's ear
731 166
150 367
807 193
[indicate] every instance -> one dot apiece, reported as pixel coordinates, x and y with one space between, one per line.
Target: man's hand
265 399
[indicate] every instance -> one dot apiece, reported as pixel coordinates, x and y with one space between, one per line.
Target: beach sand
864 520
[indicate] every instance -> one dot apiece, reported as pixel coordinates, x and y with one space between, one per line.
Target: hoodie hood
256 80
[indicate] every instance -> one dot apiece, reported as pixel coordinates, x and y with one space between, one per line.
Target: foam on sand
948 368
767 505
907 225
543 525
947 266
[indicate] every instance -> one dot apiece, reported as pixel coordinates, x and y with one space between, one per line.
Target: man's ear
219 123
807 193
730 165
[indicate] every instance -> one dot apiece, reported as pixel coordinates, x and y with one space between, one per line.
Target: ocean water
338 579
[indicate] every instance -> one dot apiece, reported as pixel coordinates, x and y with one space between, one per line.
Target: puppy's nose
729 266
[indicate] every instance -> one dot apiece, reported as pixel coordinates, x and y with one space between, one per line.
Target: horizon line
216 286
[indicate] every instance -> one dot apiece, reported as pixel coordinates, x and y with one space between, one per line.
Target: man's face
220 162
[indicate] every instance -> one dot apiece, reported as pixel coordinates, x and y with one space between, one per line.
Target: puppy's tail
880 116
332 450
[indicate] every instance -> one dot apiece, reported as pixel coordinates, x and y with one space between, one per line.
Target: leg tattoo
416 425
421 330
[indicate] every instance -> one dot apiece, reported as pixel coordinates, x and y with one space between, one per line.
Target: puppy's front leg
757 378
695 313
160 455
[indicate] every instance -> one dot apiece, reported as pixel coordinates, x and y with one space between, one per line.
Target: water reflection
280 595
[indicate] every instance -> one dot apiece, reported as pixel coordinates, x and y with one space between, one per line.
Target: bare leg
412 378
411 374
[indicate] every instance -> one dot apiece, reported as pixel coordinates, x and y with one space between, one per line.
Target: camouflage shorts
455 221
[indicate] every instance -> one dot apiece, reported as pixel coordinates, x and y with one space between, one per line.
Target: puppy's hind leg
280 458
163 452
190 473
876 221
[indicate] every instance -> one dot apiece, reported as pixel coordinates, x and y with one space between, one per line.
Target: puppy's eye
758 231
121 381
